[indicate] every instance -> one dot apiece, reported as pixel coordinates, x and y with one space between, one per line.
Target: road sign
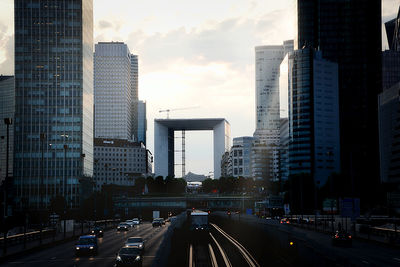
350 207
329 205
286 207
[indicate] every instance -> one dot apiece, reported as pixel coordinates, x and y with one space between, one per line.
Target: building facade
135 96
142 122
7 109
240 156
391 57
284 149
348 32
120 162
53 130
113 90
314 143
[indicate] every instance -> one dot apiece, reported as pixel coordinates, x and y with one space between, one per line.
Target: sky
192 54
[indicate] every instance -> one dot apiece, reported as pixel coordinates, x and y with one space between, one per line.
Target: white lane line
191 255
223 254
248 257
396 259
214 262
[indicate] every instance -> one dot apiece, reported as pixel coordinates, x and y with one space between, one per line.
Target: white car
135 242
136 221
130 223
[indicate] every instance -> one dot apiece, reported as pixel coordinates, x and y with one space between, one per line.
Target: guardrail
26 237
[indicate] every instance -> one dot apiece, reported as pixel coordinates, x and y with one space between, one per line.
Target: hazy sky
191 53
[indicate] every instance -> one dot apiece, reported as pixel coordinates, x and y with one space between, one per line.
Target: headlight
100 231
141 245
92 232
91 248
77 248
118 258
137 258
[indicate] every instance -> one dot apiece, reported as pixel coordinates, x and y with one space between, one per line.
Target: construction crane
174 109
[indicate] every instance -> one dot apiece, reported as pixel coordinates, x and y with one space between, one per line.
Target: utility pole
42 138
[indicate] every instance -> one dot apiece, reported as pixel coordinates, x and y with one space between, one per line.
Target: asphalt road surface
109 245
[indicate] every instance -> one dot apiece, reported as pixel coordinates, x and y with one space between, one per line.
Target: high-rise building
113 88
135 95
391 57
348 32
53 130
266 137
7 109
284 149
314 145
142 122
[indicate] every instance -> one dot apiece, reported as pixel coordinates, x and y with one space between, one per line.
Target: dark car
129 256
156 223
123 227
341 238
97 231
87 244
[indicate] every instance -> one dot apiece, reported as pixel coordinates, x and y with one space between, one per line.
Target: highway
109 245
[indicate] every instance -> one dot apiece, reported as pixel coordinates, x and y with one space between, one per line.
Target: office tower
314 146
348 32
135 93
119 162
240 155
266 137
113 90
391 57
142 122
225 164
53 130
7 109
284 149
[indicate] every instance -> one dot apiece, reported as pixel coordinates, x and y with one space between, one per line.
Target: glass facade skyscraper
348 32
54 99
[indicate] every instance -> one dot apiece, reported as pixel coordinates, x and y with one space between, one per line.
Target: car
87 244
97 231
130 223
162 221
156 223
341 238
285 221
129 256
136 221
135 242
123 227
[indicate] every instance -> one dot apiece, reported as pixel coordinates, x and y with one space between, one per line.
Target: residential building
7 109
120 162
53 130
142 122
113 90
314 144
348 32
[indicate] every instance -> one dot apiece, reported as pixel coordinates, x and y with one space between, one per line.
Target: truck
156 214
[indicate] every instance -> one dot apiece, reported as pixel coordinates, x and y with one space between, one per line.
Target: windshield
200 220
129 251
122 225
134 240
86 241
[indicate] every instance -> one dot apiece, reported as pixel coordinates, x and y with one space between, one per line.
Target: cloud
103 24
6 51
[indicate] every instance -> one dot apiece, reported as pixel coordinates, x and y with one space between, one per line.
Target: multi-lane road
109 245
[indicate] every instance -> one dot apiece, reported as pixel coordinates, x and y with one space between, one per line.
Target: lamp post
7 122
64 182
42 138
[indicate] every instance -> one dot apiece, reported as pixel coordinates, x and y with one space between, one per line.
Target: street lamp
8 122
64 181
42 138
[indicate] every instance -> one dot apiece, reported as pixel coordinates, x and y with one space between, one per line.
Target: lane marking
221 250
214 262
190 255
246 254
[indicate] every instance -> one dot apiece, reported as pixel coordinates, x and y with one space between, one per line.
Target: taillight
350 236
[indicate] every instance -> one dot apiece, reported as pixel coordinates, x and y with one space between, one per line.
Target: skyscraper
142 122
135 94
314 145
53 146
265 155
113 90
348 32
391 57
7 109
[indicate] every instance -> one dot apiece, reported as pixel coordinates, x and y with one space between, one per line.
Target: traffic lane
152 244
64 254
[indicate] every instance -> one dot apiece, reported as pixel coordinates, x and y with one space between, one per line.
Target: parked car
129 256
123 227
341 238
97 231
156 223
135 242
86 244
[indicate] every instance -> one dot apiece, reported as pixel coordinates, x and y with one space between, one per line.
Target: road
109 245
